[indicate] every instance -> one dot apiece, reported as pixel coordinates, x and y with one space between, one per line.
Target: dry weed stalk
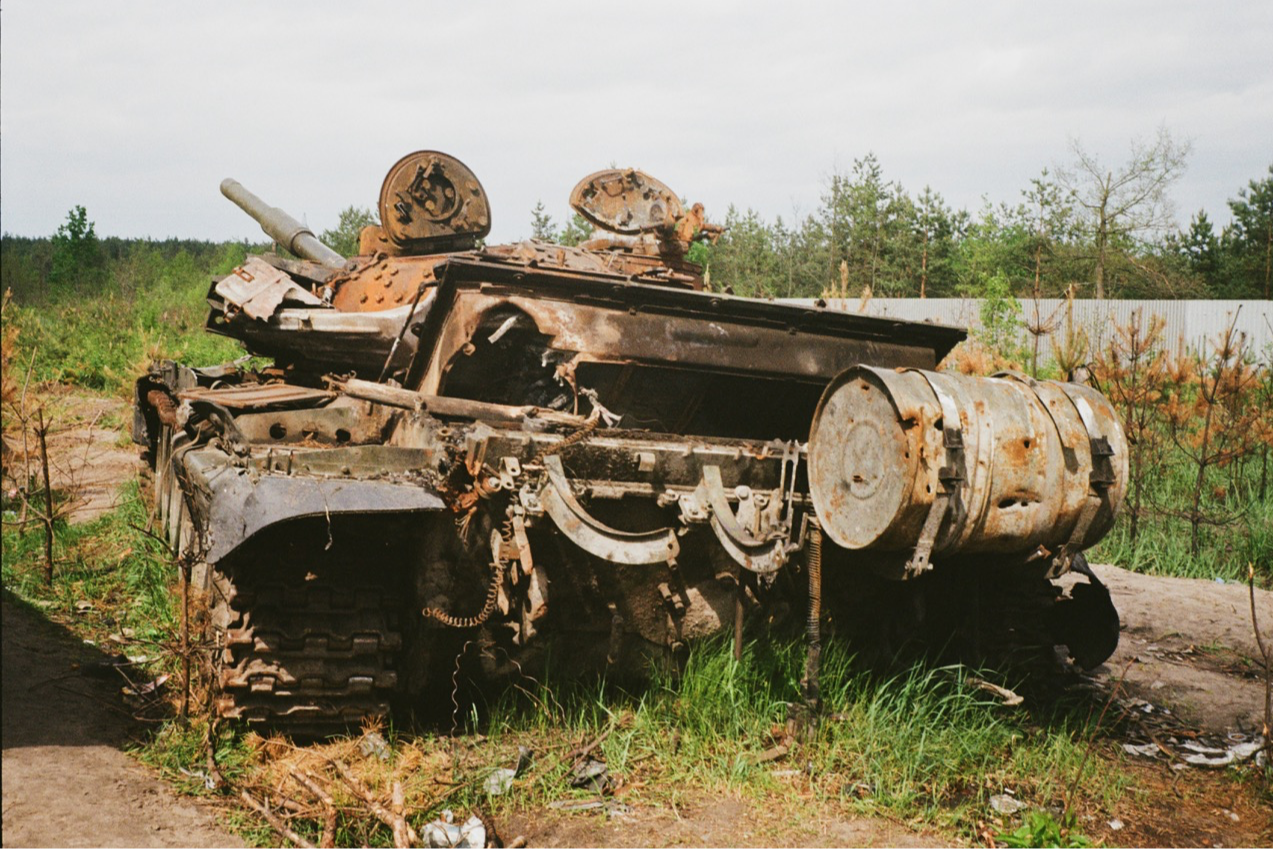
1038 326
33 422
1266 654
1071 349
282 828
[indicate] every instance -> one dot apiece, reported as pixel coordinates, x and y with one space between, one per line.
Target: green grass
919 745
102 340
125 574
1162 545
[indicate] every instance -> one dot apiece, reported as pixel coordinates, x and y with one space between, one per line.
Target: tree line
1096 229
1088 228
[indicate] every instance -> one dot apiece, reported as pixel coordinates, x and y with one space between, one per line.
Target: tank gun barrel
281 227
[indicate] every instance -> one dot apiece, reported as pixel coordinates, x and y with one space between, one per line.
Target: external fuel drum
944 464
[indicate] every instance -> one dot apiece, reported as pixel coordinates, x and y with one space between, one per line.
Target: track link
306 654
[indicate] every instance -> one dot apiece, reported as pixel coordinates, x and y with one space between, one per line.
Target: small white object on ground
1005 804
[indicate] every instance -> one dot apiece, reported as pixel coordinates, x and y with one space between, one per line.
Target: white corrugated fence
1189 324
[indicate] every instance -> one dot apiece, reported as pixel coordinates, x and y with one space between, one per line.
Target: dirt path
89 456
1191 647
65 780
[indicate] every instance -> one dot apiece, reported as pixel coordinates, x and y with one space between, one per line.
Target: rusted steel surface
259 289
381 282
879 458
253 397
626 201
532 442
432 202
161 402
620 336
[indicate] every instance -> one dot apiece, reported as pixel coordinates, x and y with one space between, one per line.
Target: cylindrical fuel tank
880 452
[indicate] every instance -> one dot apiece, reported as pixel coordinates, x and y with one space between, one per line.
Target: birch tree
1127 203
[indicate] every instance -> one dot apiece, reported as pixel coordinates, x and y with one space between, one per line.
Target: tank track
305 654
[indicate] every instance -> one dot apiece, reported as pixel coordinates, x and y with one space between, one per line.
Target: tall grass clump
916 742
124 575
138 302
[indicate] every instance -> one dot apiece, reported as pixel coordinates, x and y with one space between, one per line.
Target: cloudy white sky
138 109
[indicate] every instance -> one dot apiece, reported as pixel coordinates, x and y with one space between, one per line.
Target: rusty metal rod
440 405
813 563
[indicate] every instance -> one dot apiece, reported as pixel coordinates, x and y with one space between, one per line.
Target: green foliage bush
99 311
344 238
899 244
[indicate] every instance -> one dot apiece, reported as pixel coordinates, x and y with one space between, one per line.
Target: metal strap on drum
763 556
951 475
1099 481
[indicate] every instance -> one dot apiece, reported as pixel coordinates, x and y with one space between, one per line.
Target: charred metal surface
431 202
521 443
259 396
627 202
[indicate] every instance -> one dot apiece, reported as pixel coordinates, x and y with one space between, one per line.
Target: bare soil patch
1191 647
65 780
88 458
716 821
1199 808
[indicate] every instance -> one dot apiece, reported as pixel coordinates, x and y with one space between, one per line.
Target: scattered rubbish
1231 815
610 806
123 636
861 790
1157 733
1146 750
1115 824
136 659
209 782
524 757
591 774
1007 805
498 782
1213 757
83 606
577 804
374 745
443 832
772 754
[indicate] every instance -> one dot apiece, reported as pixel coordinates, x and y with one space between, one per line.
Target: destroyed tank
481 452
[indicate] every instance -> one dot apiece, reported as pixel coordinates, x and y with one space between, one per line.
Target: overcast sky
137 110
